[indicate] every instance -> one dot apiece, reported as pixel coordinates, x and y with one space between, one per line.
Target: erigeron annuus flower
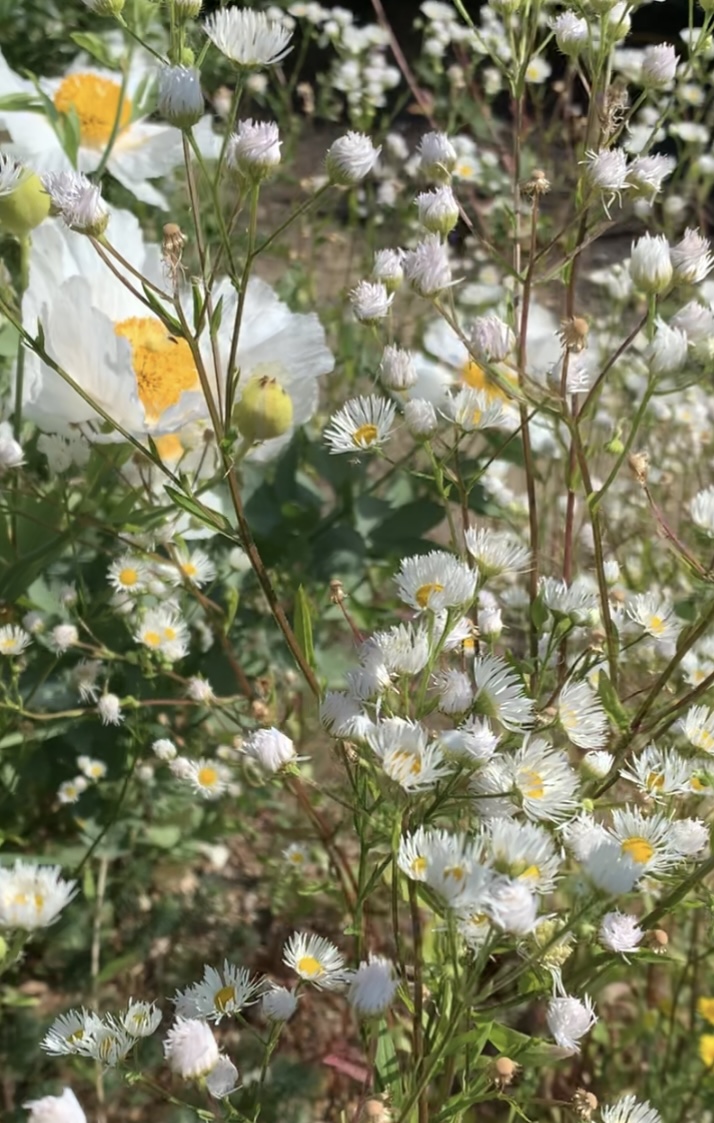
405 755
701 510
655 616
350 158
438 210
296 855
247 37
650 264
646 174
523 851
270 749
691 257
571 33
77 201
668 351
500 694
254 149
62 637
141 1019
361 424
628 1109
128 574
403 649
659 66
435 581
496 553
199 689
492 340
437 156
607 172
190 1048
221 993
343 716
70 790
195 566
373 987
370 301
645 840
511 906
32 897
427 267
180 97
544 781
455 690
13 639
472 743
417 851
164 749
389 271
697 726
577 601
222 1080
690 837
659 773
316 960
472 410
620 932
70 1033
279 1004
92 769
84 677
56 1109
421 419
11 454
162 630
208 778
581 716
109 709
569 1019
141 151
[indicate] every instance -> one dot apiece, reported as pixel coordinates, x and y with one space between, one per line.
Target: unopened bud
24 207
187 9
264 411
584 1104
105 7
615 445
3 948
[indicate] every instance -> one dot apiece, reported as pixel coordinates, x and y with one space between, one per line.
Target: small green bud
105 7
3 948
264 411
615 444
24 208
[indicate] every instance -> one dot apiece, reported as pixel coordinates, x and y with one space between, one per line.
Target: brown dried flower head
639 463
172 249
584 1104
574 334
537 185
503 1072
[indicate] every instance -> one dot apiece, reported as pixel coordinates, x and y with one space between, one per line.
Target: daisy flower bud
491 339
187 9
109 710
190 1048
388 268
247 37
667 353
691 258
512 906
270 749
63 636
56 1109
164 749
373 987
222 1079
78 201
180 97
24 204
569 1019
650 265
659 66
438 210
620 932
571 33
265 410
421 419
437 156
105 7
279 1004
427 267
350 158
199 689
370 301
254 150
396 370
607 171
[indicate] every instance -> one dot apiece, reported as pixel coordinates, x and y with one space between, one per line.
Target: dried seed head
259 710
337 592
537 185
615 105
503 1071
639 463
172 249
574 334
584 1104
657 940
374 1110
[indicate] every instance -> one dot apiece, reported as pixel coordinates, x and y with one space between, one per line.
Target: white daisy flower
373 987
427 267
435 581
581 716
196 567
655 616
270 749
403 649
254 149
512 906
316 960
701 509
473 742
497 554
350 158
142 151
472 410
405 755
578 601
109 710
222 1080
500 694
370 301
164 749
92 769
13 640
220 993
597 763
454 868
248 37
62 637
569 1019
523 851
128 574
620 932
343 716
690 837
190 1048
77 201
141 1019
162 630
296 855
361 424
645 839
455 690
70 1033
659 773
545 781
697 725
208 778
199 689
32 897
109 1044
56 1109
70 790
417 851
609 868
628 1109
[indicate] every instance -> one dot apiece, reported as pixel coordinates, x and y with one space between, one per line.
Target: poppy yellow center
97 102
128 576
207 777
637 848
223 996
424 593
152 639
536 789
364 436
169 447
309 967
163 365
418 865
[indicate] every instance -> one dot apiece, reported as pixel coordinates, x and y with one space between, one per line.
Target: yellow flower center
703 739
128 576
657 625
76 1035
418 865
95 100
163 365
568 718
169 634
478 378
637 848
536 789
655 780
169 447
7 644
424 592
365 436
411 761
152 639
309 967
189 569
698 785
457 873
223 996
530 873
207 777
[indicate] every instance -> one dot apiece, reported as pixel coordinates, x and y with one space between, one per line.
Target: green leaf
205 515
303 626
386 1064
165 837
170 322
15 102
95 47
539 614
611 703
